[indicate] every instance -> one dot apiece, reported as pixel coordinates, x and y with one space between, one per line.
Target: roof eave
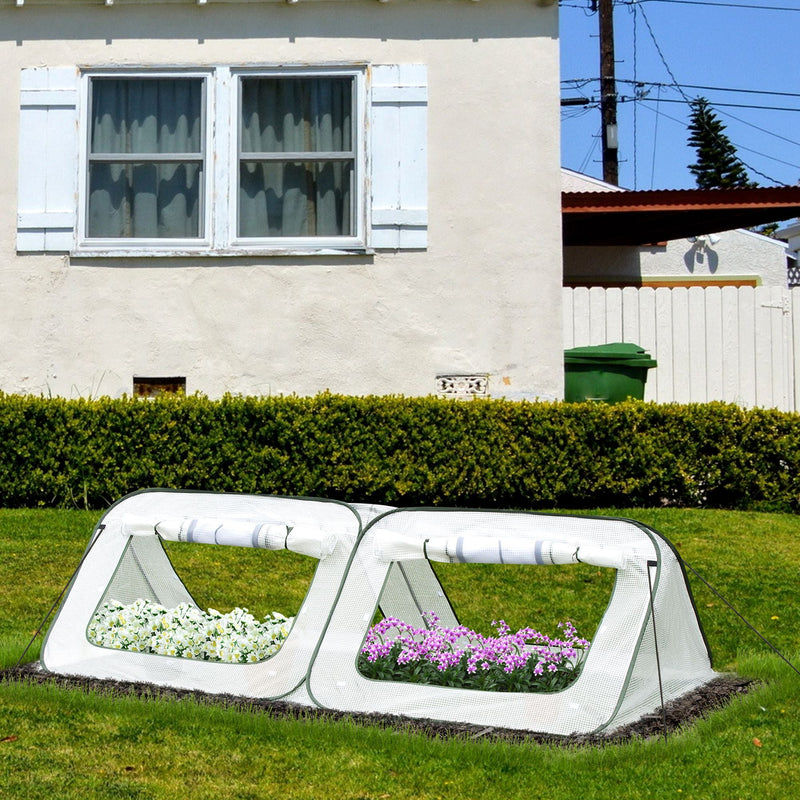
640 218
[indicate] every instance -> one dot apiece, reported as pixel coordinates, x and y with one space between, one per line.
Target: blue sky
751 45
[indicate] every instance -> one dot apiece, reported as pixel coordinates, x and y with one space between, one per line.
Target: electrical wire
744 6
686 98
661 55
637 8
715 104
759 128
636 107
765 155
655 139
660 85
721 89
590 152
581 82
682 123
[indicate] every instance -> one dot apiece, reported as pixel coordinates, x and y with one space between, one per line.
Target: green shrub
399 450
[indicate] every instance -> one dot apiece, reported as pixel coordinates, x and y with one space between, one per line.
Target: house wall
731 257
483 298
791 233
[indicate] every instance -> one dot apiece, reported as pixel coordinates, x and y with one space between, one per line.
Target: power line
682 123
723 89
759 128
590 102
646 104
658 49
639 9
683 90
686 100
636 107
658 84
765 155
624 99
744 6
655 138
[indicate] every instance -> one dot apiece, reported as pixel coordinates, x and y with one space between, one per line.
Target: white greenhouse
372 563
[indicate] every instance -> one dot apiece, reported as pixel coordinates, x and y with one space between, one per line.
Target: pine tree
717 166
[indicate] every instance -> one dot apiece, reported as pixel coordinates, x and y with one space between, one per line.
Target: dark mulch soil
675 715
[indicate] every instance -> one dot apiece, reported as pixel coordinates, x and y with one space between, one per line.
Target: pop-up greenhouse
376 631
127 570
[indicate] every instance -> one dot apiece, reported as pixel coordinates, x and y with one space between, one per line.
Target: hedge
399 450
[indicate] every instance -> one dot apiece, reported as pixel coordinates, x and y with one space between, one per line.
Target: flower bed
525 661
188 632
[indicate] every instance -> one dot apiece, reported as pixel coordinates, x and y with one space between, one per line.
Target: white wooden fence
737 344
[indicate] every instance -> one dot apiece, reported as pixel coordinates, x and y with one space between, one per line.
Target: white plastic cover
493 549
262 534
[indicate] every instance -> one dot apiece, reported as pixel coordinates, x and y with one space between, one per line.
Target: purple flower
395 650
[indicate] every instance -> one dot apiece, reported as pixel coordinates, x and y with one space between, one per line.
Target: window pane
295 199
149 115
296 115
146 201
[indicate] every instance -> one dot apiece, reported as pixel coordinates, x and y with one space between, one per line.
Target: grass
66 744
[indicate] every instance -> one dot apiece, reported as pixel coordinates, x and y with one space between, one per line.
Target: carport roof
646 217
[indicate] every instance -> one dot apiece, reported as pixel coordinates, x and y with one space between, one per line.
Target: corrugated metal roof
645 217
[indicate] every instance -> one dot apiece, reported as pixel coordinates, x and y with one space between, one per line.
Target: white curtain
136 196
296 196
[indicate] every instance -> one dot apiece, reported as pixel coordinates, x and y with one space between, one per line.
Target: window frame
219 193
131 245
358 115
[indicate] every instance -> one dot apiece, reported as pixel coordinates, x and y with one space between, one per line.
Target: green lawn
64 744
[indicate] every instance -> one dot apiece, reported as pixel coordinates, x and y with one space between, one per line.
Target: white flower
186 631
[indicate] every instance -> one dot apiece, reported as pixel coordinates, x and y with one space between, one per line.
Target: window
145 158
222 161
297 157
291 174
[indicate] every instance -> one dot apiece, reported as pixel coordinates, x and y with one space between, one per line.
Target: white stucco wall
724 257
483 298
791 233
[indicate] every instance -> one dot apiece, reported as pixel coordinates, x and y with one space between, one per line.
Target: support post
608 93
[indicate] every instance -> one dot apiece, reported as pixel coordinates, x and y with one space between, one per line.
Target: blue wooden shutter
48 159
398 156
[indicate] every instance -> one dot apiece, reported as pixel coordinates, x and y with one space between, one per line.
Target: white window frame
220 191
359 216
129 246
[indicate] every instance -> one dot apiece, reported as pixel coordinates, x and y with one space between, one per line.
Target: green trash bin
606 373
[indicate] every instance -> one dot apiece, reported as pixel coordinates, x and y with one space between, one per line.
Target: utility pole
608 92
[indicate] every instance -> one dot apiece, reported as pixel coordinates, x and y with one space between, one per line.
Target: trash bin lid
620 353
